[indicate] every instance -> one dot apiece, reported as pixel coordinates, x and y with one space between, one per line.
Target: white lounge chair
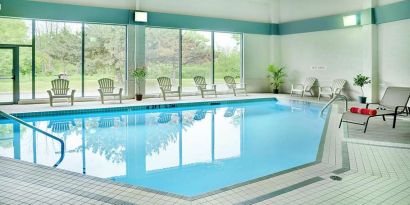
59 89
166 87
230 82
107 88
303 88
335 89
203 87
394 102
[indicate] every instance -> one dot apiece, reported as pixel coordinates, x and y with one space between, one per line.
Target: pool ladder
62 147
336 97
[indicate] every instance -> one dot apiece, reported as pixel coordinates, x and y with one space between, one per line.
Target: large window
15 31
227 56
105 56
196 58
161 56
58 54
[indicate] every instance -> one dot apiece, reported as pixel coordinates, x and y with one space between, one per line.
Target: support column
370 50
136 55
131 60
140 50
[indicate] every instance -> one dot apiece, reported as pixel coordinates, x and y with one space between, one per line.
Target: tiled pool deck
374 167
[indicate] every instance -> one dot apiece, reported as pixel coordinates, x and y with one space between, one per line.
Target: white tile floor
374 171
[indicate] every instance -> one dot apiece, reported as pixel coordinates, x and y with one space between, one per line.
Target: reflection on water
184 151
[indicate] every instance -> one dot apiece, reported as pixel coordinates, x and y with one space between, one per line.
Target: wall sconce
351 20
141 17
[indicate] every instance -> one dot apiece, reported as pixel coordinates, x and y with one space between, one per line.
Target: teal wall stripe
393 12
63 12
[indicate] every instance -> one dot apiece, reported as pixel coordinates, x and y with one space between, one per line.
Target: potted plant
277 75
361 80
139 74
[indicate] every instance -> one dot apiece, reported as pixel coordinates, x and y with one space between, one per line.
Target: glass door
8 77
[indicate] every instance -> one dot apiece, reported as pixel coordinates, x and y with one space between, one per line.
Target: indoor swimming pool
187 150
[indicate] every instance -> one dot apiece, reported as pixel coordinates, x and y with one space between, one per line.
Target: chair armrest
325 87
337 90
50 93
298 85
367 104
397 108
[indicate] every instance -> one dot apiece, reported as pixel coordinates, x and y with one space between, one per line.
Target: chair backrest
230 112
60 126
338 85
164 118
230 81
165 83
200 115
395 96
309 82
106 123
106 85
60 86
200 81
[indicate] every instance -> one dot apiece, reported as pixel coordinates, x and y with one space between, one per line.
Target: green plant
277 75
139 74
361 80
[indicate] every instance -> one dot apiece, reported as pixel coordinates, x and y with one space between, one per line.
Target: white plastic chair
303 88
335 89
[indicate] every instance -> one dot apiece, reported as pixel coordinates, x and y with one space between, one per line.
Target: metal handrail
336 97
11 117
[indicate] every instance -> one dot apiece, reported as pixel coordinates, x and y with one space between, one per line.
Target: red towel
363 111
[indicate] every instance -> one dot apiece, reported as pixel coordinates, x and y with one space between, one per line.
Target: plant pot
275 91
362 99
138 97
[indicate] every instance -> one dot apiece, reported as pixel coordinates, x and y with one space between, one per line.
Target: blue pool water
187 151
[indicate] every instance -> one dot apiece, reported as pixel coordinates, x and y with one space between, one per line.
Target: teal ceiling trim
315 24
88 14
62 12
74 13
393 12
156 19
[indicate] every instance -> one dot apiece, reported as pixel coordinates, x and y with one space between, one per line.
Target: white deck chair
303 88
107 88
230 82
335 89
166 87
60 88
200 83
394 102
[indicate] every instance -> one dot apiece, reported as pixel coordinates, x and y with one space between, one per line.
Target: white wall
339 50
292 10
394 54
259 52
385 2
